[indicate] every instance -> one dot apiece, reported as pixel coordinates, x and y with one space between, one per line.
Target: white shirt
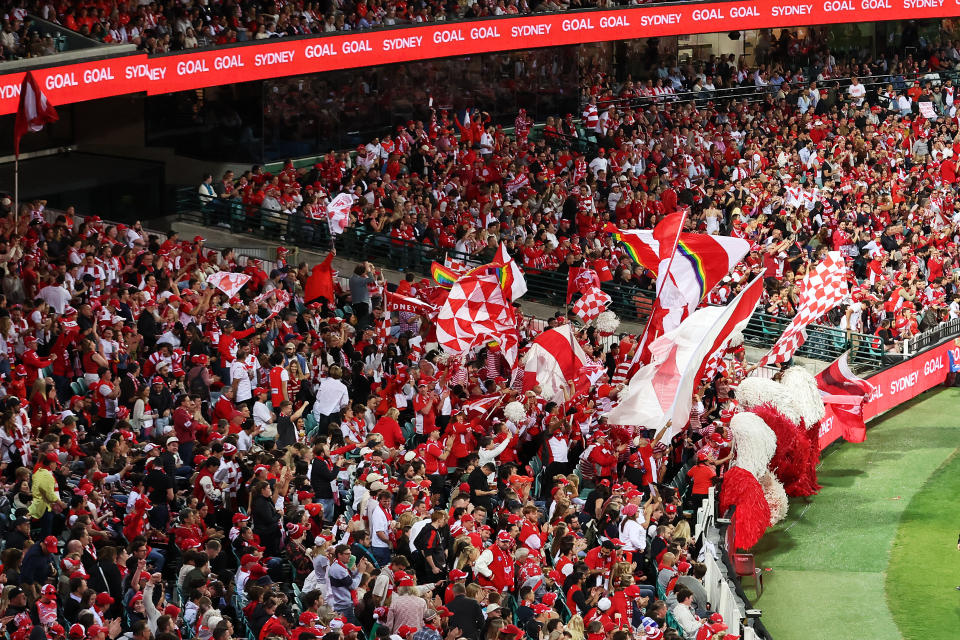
261 414
331 397
379 522
242 372
56 297
633 536
857 91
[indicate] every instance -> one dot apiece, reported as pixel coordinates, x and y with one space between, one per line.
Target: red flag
320 282
581 279
34 111
844 394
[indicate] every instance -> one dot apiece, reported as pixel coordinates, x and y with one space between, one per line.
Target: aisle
829 557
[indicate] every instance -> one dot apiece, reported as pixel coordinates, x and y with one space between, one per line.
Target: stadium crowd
180 462
170 26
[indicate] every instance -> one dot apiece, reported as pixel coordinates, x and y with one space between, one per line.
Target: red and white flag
556 362
338 213
663 390
33 113
688 270
228 282
476 310
397 302
454 263
581 279
480 405
821 290
843 396
591 304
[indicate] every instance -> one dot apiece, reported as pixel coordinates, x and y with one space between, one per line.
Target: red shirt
702 476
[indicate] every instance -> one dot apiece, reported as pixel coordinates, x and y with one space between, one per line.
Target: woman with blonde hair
467 555
682 530
576 628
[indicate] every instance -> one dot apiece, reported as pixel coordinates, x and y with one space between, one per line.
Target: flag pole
16 193
683 220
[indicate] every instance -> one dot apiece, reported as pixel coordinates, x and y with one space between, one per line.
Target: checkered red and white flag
475 311
591 304
822 290
455 263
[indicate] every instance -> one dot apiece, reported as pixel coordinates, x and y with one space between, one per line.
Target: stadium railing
943 331
631 304
822 343
753 93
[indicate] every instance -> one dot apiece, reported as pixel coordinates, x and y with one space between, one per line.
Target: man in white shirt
856 91
262 415
600 163
684 615
332 396
57 297
242 372
380 529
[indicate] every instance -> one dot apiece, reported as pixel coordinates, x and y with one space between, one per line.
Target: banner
898 384
397 302
246 62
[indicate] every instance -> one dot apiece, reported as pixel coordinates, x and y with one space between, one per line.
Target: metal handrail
823 343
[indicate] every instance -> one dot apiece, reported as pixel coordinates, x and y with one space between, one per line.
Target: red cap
405 630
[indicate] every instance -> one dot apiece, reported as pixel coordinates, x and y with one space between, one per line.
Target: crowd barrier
260 60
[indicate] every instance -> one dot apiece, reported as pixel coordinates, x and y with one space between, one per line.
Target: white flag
228 282
338 213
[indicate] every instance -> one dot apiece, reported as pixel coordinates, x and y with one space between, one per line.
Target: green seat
75 388
84 389
309 424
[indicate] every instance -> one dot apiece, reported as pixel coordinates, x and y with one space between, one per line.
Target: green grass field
874 554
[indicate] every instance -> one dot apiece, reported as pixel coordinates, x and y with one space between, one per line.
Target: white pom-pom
754 442
805 395
607 322
776 497
514 412
755 391
736 339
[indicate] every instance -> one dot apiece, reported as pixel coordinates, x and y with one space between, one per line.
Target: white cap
603 604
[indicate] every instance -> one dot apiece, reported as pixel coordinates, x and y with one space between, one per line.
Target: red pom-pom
752 517
795 462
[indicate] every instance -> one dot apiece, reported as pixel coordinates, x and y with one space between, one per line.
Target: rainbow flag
443 276
492 269
640 246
